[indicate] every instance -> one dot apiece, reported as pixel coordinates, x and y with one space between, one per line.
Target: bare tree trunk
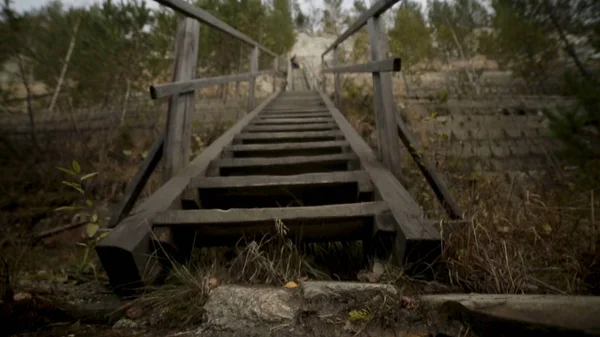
124 111
463 56
63 72
25 81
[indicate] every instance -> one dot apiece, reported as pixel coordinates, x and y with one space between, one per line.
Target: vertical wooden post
336 79
276 68
253 68
385 111
181 107
323 76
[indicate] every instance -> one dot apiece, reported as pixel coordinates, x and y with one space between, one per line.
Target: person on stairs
294 62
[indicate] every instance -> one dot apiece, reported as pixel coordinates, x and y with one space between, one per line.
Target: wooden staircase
294 160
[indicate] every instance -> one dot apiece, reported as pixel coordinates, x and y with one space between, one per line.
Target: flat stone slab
247 308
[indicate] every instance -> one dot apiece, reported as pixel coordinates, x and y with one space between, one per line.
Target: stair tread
287 146
298 127
292 120
361 177
289 134
242 162
247 215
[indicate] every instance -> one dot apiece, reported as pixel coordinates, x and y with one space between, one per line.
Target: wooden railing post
383 93
323 76
276 68
253 68
337 84
181 107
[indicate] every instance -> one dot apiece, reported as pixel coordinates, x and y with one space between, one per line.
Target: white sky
29 4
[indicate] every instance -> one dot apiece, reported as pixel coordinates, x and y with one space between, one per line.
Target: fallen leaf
213 282
417 334
291 285
91 229
360 315
547 228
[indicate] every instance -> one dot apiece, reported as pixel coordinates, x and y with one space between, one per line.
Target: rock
20 297
134 312
125 323
324 290
246 308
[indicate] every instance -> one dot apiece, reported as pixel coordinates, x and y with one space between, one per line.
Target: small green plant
441 96
83 209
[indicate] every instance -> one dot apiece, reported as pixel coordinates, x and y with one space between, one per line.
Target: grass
533 233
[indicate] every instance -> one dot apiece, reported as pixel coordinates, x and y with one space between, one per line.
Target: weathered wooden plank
252 87
245 162
414 231
263 121
287 146
250 215
294 109
278 136
436 182
168 89
127 250
136 185
206 18
295 115
377 9
385 111
298 127
291 134
392 65
311 223
328 178
181 107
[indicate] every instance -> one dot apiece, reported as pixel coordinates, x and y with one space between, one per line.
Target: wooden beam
252 87
127 251
249 215
392 65
288 135
299 127
169 89
377 9
383 95
136 185
259 121
436 182
181 107
287 146
206 18
244 162
309 179
295 115
414 231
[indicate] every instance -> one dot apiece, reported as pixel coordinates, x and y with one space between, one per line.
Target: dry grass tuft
527 233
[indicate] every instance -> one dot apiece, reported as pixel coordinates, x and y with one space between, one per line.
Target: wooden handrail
206 18
382 66
377 9
174 88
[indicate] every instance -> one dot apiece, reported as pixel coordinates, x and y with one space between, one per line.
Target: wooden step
286 149
284 165
295 115
271 191
259 121
297 127
314 223
274 137
294 109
